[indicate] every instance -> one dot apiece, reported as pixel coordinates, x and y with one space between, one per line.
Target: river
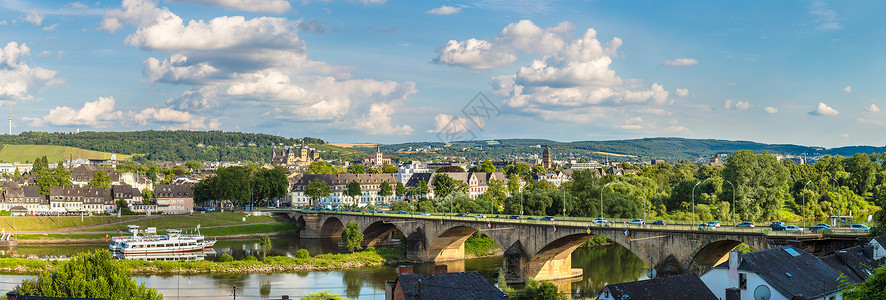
602 265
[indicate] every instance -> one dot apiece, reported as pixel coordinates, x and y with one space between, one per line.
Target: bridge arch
450 244
379 231
300 222
332 228
709 255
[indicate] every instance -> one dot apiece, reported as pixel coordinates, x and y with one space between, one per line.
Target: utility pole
235 292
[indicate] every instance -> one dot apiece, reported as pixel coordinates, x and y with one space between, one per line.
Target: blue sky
801 72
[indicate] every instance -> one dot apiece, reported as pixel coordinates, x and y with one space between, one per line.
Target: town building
81 175
857 263
555 177
375 160
406 170
441 285
784 272
74 198
25 200
684 286
370 185
175 198
879 245
128 194
477 182
136 180
301 156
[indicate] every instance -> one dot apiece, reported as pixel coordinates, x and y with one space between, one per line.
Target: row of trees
242 185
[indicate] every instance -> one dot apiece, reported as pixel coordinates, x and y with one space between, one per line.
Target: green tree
317 189
265 245
536 290
100 179
270 184
354 190
233 184
487 166
88 275
539 169
321 167
874 287
356 169
513 184
444 185
389 169
123 207
520 170
496 190
194 165
323 295
400 190
760 184
52 177
352 237
384 189
17 173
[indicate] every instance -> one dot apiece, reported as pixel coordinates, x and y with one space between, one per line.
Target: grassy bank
479 245
56 223
242 231
187 221
271 264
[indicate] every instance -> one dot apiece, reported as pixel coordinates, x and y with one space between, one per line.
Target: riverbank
221 232
271 264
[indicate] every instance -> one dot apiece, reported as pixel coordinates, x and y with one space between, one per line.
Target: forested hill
670 149
166 145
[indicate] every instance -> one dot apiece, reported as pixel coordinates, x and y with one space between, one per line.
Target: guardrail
680 225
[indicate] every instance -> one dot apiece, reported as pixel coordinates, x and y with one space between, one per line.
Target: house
477 182
378 159
879 244
370 185
555 177
73 198
300 156
127 193
81 175
684 286
405 171
25 200
441 285
856 262
175 198
785 272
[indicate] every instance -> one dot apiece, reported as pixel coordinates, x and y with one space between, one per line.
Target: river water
602 265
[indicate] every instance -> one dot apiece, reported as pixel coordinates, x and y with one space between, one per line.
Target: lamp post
733 202
839 199
804 202
601 200
693 204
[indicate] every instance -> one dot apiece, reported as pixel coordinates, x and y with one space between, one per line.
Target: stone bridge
542 249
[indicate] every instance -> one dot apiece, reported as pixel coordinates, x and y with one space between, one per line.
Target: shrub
370 249
302 254
226 258
251 258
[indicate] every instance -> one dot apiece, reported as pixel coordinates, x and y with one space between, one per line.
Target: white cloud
45 53
742 105
872 108
17 79
99 113
869 121
503 50
680 62
727 104
50 27
633 124
79 5
847 89
682 92
771 110
448 124
676 129
176 70
171 119
444 10
35 17
823 110
262 6
825 17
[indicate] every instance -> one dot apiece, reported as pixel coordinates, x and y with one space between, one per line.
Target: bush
302 254
250 258
370 249
226 258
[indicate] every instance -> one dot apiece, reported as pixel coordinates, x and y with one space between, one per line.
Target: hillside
23 153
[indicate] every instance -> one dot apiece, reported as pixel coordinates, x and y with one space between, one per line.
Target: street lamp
601 200
839 199
733 201
693 204
804 202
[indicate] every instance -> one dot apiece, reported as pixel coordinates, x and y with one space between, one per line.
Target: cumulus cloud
682 92
449 124
742 105
233 61
35 17
680 62
727 104
503 50
444 10
872 108
771 110
18 80
262 6
847 89
171 119
99 113
824 110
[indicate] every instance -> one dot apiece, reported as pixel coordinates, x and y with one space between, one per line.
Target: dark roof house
684 286
461 285
855 262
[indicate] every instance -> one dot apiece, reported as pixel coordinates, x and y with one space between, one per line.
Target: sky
391 71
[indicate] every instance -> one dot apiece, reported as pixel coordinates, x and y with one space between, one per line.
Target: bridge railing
586 222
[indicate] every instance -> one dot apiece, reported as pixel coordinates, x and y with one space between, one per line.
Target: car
601 221
547 219
514 217
825 225
746 225
659 222
272 207
637 222
714 224
818 227
704 226
402 212
532 218
461 215
793 228
859 228
425 214
777 226
480 216
379 211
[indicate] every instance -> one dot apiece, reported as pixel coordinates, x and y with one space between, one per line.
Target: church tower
378 156
546 158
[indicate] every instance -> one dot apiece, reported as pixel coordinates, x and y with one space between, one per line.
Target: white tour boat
171 242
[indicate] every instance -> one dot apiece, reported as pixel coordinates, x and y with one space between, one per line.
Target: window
743 281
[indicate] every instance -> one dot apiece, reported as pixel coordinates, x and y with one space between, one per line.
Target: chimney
733 294
284 297
440 269
734 260
403 269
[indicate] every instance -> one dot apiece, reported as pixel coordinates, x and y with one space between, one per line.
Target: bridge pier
516 264
311 225
416 246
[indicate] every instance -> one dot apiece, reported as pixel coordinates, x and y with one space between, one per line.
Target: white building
370 185
879 244
784 272
406 170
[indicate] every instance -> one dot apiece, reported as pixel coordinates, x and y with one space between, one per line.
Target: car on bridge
461 215
637 222
547 219
402 212
480 216
794 229
714 224
379 211
425 214
514 217
705 226
601 221
659 222
819 227
825 225
777 226
745 225
859 228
